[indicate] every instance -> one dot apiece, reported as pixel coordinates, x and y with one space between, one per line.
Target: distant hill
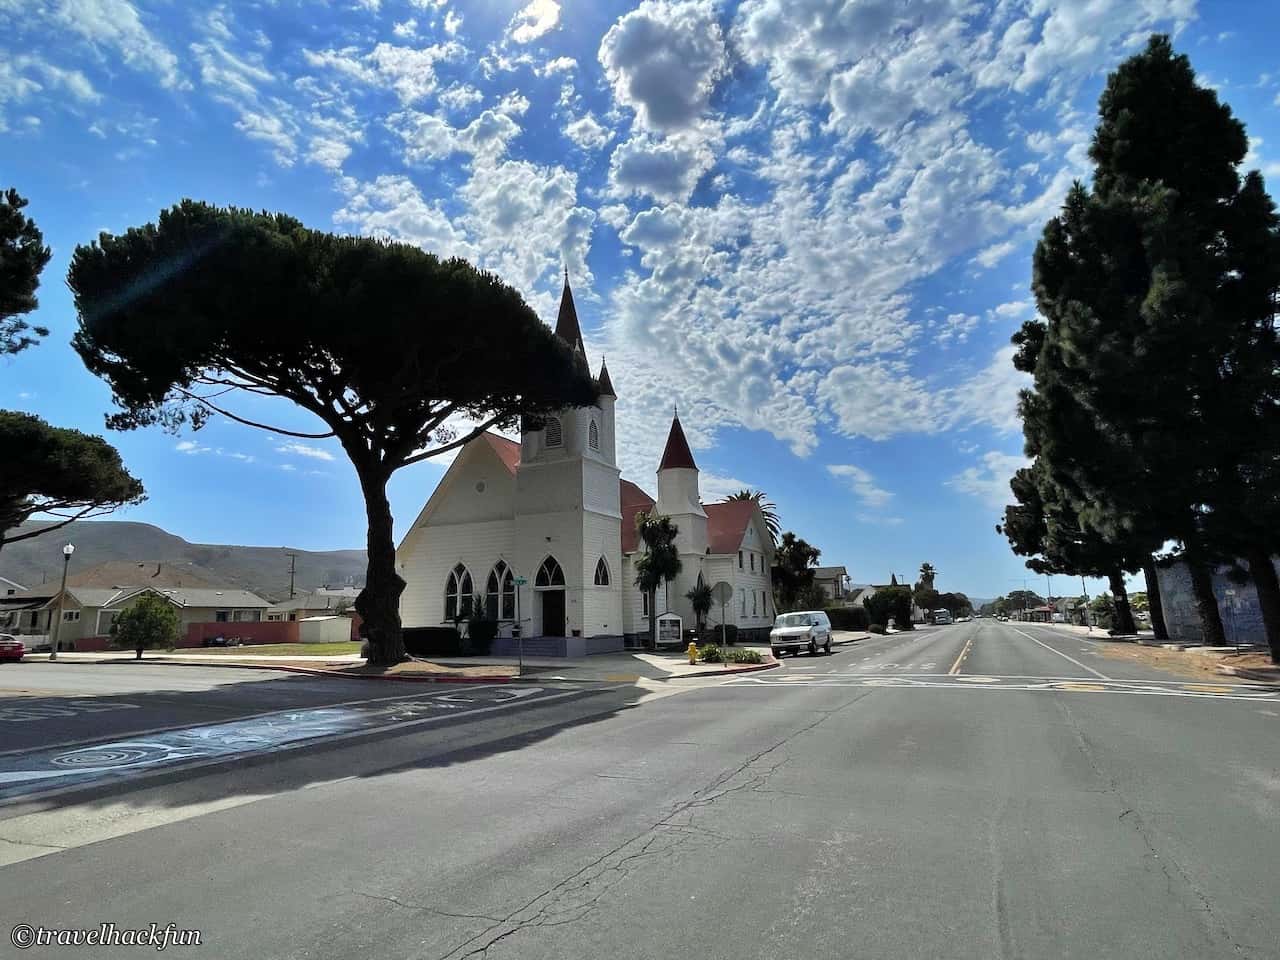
125 545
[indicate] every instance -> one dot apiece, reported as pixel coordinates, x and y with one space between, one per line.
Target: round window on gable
479 486
554 435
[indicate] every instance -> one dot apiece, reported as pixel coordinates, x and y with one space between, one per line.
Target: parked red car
11 648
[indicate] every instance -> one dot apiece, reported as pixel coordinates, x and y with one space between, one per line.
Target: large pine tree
1142 335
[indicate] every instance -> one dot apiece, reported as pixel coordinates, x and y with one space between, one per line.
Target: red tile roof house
553 510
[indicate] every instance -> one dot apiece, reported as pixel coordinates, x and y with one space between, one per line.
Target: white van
802 630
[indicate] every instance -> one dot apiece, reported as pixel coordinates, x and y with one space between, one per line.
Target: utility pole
293 566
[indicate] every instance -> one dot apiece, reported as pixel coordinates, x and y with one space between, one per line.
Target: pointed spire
677 455
567 328
603 382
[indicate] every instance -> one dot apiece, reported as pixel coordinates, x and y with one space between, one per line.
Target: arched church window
549 574
602 573
457 593
500 593
593 436
554 435
701 583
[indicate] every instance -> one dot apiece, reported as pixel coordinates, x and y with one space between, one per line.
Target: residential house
834 582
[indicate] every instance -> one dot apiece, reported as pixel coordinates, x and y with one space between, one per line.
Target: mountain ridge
263 570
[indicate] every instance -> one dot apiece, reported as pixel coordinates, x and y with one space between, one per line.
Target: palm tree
768 511
700 597
659 564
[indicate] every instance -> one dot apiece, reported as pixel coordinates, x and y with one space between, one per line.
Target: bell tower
567 507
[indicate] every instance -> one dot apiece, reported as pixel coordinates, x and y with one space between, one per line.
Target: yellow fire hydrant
693 652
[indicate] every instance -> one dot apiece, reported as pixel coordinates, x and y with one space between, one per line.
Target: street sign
722 592
521 581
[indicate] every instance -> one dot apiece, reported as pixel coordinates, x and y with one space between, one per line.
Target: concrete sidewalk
610 668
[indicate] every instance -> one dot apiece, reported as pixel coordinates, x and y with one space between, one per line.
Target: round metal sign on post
722 593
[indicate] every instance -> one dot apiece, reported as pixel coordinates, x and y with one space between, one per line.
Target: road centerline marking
1064 656
955 667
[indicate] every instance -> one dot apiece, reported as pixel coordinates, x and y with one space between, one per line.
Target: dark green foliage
433 642
658 564
58 471
152 622
1154 409
23 256
956 604
793 568
848 618
382 342
728 637
480 635
700 598
711 653
890 603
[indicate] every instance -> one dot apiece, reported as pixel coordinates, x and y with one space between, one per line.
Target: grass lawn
281 650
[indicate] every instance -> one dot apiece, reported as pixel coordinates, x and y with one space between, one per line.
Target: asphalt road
979 790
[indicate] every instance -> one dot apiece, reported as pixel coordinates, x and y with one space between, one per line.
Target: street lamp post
67 551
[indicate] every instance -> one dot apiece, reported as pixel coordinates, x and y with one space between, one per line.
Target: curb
311 672
742 668
1245 673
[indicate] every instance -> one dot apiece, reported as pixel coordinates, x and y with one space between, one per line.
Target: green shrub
711 653
432 642
479 640
848 618
876 628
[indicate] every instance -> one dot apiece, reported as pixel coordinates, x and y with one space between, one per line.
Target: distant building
834 582
9 587
89 612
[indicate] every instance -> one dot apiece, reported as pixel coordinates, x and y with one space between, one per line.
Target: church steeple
567 328
603 383
677 455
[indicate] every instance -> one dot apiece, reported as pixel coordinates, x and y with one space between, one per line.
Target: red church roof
634 501
727 524
677 454
508 451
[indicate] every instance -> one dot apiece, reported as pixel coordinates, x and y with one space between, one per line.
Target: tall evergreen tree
22 256
1140 339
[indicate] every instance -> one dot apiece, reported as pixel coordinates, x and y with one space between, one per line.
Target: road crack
422 906
576 896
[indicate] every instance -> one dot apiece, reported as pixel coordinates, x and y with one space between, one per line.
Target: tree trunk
139 652
1206 603
1268 586
1120 600
653 619
1153 599
379 601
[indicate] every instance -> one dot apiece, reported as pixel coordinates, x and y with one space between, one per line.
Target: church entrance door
552 613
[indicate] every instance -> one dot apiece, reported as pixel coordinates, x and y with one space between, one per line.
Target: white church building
554 511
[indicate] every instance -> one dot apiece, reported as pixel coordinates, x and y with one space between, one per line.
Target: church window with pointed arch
500 593
554 435
593 436
457 593
549 574
602 573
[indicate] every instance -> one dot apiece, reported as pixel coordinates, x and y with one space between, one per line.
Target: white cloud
588 133
862 483
989 481
664 169
536 19
116 25
663 60
303 450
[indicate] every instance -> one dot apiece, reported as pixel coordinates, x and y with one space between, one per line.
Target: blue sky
809 222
